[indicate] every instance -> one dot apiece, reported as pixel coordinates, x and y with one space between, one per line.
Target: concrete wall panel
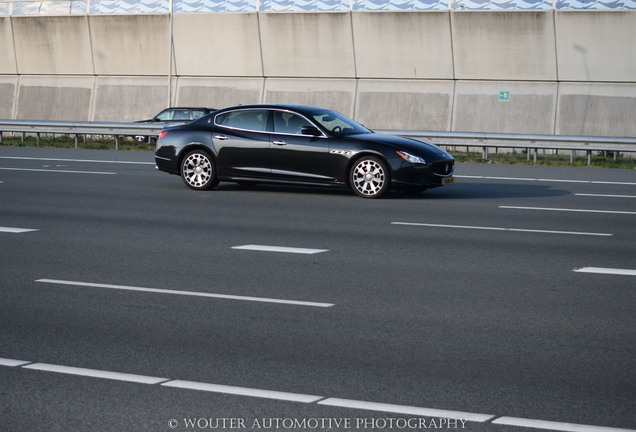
8 85
54 98
317 45
335 94
596 109
226 45
218 92
596 46
480 107
414 105
403 45
122 99
52 45
504 45
130 44
7 52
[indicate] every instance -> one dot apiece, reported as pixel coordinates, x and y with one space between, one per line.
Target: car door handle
279 143
221 137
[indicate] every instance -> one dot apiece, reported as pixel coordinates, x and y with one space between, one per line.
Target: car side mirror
310 130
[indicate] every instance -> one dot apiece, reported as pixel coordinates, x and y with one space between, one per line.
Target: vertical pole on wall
170 48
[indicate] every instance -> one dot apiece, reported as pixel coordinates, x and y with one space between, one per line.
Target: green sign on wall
504 95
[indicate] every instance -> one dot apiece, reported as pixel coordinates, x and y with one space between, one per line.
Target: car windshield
337 123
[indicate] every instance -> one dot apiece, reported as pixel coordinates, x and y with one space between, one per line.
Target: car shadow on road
459 190
479 190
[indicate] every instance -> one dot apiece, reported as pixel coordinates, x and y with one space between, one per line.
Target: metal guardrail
530 143
485 141
80 128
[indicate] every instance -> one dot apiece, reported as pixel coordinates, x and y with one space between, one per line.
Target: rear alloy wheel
370 178
198 171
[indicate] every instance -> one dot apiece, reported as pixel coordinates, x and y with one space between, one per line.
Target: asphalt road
131 303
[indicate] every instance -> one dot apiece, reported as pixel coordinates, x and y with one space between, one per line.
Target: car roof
293 107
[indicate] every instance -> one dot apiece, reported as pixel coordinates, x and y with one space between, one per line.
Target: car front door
298 156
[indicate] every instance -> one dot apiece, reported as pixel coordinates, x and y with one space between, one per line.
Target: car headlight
411 158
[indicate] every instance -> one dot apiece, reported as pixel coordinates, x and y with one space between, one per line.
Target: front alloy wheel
370 177
198 171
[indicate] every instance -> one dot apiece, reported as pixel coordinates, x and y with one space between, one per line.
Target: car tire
369 177
198 170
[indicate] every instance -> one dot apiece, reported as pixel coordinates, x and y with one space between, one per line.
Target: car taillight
162 134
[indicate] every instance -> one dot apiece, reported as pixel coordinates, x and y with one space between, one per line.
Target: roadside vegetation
598 159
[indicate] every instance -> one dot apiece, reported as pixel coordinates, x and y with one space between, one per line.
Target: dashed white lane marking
59 171
77 160
555 426
264 248
502 229
12 363
187 293
407 410
604 270
604 195
568 210
94 373
16 230
243 391
546 180
302 398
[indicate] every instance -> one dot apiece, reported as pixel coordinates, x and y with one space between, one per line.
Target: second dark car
298 144
175 115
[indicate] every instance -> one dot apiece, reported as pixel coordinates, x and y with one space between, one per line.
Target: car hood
418 148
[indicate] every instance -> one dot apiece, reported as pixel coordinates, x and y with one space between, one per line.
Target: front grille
443 168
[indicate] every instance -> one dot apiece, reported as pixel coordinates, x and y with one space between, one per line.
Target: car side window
165 115
289 123
253 120
181 115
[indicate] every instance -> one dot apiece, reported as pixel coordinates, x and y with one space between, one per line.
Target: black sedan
298 144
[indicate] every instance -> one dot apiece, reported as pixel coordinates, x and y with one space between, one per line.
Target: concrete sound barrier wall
52 45
8 86
218 92
7 50
51 97
533 71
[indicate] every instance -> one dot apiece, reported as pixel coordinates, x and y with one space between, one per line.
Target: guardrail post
116 142
536 152
589 157
76 144
485 153
38 139
572 156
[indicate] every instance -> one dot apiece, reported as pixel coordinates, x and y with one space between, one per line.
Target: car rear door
242 143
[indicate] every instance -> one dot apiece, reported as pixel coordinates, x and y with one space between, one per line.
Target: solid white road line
609 271
546 180
77 160
407 410
264 248
59 171
555 426
242 391
94 373
502 229
187 293
16 230
567 210
605 196
302 398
